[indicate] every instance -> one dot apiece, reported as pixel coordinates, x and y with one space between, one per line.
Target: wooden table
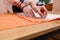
25 33
28 32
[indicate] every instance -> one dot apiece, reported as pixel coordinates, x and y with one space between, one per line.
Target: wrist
23 5
18 3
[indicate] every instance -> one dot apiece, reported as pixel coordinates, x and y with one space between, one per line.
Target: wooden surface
28 32
25 33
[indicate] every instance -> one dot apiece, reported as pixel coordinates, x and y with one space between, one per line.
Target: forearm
17 3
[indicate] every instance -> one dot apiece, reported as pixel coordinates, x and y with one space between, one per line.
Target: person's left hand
28 12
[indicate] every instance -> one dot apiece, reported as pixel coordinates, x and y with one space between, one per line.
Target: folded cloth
8 21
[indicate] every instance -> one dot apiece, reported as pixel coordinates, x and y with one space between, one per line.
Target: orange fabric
8 21
34 20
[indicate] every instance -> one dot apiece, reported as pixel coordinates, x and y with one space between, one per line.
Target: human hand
41 10
28 12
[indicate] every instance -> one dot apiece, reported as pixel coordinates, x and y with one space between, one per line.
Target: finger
45 12
32 14
29 13
41 14
26 13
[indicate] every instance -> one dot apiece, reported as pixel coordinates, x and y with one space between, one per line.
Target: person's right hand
28 12
41 10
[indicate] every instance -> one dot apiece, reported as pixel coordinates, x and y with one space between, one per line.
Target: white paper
52 16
